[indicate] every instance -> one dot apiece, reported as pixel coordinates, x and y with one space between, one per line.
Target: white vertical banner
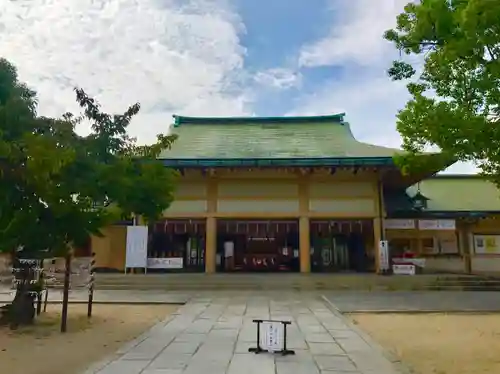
136 255
383 252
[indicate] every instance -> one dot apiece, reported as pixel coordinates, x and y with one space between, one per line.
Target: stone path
212 335
415 301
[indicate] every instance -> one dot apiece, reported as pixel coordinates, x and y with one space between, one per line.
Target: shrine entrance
341 245
177 246
257 246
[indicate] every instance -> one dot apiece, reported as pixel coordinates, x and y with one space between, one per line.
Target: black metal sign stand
284 351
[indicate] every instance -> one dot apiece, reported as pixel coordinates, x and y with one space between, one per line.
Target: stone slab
415 301
332 349
125 367
308 367
339 363
212 335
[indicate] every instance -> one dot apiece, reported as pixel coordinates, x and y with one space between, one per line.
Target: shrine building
301 194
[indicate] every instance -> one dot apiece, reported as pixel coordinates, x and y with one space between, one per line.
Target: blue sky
211 58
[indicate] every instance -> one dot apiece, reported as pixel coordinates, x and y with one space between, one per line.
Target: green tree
51 178
455 95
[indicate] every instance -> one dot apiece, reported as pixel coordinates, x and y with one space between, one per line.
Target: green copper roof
271 138
467 193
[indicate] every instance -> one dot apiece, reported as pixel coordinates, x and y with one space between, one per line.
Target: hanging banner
137 247
383 250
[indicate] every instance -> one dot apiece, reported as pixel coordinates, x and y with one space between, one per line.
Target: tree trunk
22 309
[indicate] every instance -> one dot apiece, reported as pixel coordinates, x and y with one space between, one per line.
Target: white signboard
403 269
436 224
399 224
487 244
272 336
420 262
165 263
383 249
137 247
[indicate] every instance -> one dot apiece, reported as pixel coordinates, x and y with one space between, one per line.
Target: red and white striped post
91 285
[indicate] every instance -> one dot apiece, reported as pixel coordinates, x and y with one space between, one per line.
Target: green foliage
51 178
455 103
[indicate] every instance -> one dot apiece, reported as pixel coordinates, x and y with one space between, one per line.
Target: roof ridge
336 118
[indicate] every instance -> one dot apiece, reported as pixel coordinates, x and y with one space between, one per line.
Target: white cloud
279 78
462 168
171 56
364 91
356 34
370 102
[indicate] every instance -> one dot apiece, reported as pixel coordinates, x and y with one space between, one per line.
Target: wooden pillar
465 247
420 243
210 245
304 226
378 224
377 237
211 228
304 245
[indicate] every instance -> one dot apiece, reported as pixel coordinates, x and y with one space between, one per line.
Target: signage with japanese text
405 269
436 224
165 263
399 224
273 332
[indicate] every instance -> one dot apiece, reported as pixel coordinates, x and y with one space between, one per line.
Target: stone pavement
212 334
415 301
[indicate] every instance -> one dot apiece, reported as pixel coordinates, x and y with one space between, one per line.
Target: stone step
177 287
291 282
